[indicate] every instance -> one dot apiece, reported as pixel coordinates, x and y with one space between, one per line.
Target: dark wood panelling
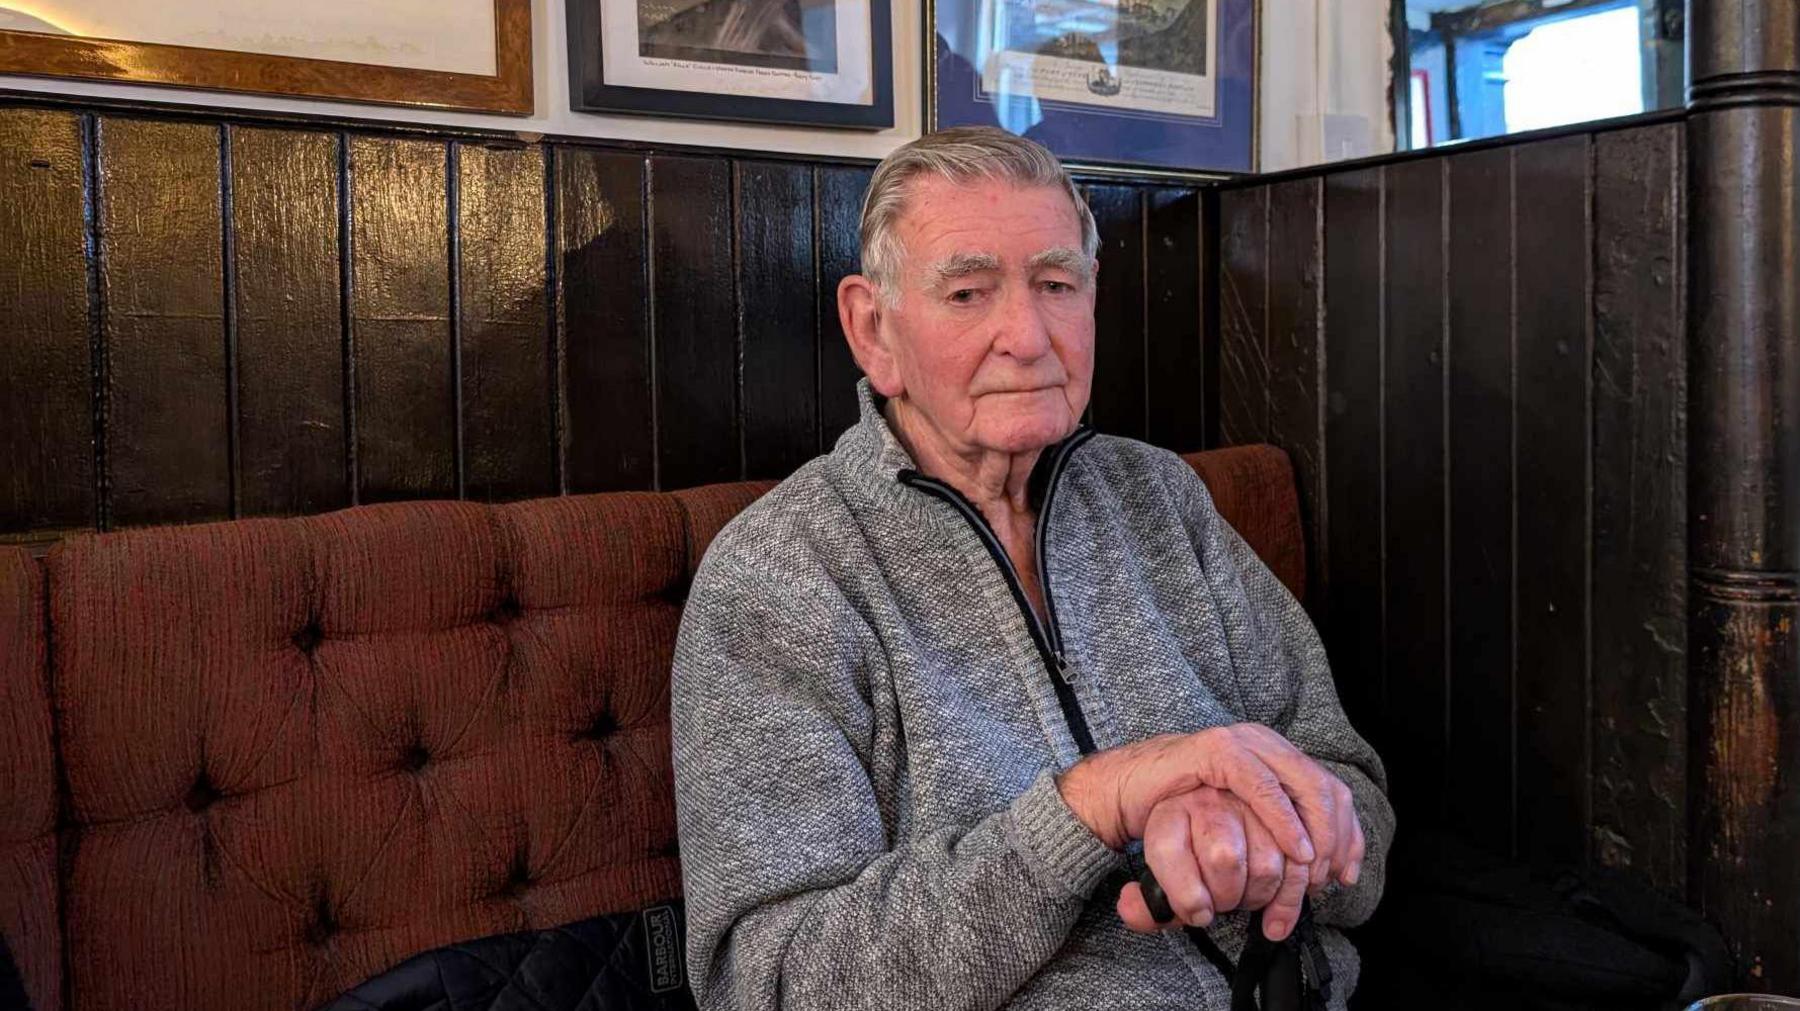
839 205
288 309
1503 478
168 434
1481 494
694 322
1117 406
1295 355
406 396
290 319
604 313
1355 537
1174 370
1553 361
1640 505
775 317
1243 317
1413 448
46 387
308 318
508 451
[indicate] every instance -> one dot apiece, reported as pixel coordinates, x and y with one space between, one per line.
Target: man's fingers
1314 791
1134 913
1358 850
1281 915
1343 815
1348 830
1310 787
1218 832
1258 786
1265 865
1169 850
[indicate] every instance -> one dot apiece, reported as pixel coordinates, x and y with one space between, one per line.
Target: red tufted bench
250 764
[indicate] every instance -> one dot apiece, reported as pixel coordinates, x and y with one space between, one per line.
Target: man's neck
997 483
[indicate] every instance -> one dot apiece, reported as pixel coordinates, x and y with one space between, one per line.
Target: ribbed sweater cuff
1055 842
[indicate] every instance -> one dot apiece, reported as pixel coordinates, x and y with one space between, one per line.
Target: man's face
993 335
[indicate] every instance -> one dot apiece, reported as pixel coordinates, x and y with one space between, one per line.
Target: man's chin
1024 435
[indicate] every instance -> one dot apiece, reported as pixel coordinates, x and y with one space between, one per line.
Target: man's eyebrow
1065 258
960 265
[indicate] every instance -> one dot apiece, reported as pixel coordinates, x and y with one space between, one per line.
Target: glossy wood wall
213 316
1477 361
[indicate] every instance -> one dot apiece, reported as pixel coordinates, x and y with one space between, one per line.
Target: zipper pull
1064 669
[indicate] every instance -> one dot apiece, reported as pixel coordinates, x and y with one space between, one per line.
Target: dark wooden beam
1744 479
1474 20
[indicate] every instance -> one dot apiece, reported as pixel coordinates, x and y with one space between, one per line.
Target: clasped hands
1231 818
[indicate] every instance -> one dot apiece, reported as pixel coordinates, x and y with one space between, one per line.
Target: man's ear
860 311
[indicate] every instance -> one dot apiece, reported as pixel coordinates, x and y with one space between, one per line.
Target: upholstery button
518 877
414 758
307 639
600 728
506 611
324 925
675 593
202 795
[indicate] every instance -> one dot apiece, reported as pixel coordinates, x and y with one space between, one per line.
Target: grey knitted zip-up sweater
866 730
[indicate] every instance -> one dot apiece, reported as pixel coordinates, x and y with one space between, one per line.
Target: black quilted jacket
619 962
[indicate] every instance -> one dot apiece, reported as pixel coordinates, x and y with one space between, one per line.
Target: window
1509 65
1574 70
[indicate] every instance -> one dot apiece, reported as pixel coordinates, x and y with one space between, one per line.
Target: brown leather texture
1253 488
296 751
28 892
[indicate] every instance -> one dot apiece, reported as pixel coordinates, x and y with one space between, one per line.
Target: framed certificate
1160 85
804 62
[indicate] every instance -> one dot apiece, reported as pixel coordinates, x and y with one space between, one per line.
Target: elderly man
933 689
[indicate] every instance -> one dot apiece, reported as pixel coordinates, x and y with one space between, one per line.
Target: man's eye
1058 287
963 296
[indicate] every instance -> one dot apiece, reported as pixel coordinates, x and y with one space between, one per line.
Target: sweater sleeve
798 893
1310 715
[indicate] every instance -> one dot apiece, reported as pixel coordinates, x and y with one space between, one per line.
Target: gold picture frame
507 91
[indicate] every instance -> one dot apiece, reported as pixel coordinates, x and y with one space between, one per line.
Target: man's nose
1023 331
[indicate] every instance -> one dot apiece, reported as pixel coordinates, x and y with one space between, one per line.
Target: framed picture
1157 85
803 62
466 55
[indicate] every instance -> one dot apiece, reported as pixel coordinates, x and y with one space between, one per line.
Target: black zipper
1046 635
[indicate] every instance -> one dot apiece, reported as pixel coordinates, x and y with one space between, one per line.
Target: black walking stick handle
1155 898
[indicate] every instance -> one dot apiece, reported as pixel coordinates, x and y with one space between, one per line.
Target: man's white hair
964 154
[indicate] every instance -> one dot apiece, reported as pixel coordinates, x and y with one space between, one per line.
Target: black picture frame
589 92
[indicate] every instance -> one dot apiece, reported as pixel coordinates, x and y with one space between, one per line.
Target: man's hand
1211 855
1308 812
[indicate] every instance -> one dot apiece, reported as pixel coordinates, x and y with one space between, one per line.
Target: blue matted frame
1091 136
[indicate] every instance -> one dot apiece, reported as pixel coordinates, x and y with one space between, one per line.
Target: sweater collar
870 446
871 454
